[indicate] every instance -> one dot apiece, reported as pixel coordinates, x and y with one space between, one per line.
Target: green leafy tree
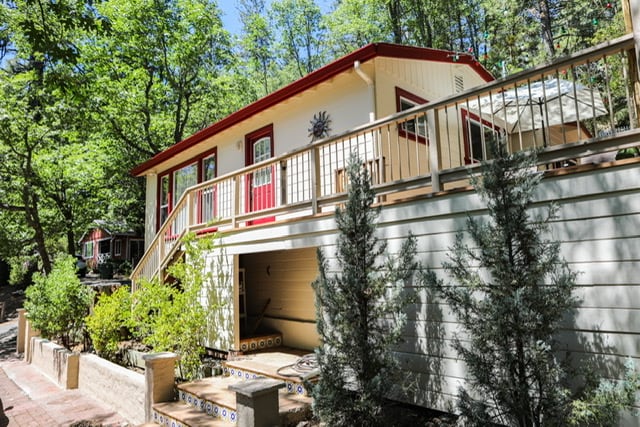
58 303
42 142
355 23
165 57
510 291
257 45
301 37
360 312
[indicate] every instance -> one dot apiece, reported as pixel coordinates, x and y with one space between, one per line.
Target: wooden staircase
209 402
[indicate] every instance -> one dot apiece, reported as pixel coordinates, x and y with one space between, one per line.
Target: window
184 178
173 183
117 247
209 167
477 135
415 129
165 196
87 250
262 151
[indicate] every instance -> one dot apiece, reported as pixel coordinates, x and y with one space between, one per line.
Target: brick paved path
30 399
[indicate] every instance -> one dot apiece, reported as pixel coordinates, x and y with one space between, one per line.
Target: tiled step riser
165 420
210 408
292 387
260 343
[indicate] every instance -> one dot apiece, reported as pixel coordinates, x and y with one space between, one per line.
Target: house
113 242
267 178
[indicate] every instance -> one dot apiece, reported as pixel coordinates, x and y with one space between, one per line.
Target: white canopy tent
539 105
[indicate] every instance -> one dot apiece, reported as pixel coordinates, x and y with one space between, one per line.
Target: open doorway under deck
276 302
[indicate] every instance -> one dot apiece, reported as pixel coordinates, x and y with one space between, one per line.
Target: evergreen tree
359 312
511 290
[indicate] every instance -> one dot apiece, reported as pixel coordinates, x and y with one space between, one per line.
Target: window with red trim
415 129
477 134
174 182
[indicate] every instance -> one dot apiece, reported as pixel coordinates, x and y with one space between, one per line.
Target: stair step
211 397
177 414
273 365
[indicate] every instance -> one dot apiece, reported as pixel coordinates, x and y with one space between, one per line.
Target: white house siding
151 194
599 213
220 292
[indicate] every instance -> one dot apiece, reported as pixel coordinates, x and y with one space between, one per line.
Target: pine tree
511 289
359 312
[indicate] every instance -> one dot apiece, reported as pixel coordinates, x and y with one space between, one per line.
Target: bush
171 317
111 314
58 303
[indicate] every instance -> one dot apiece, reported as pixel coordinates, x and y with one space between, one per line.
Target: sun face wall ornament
319 126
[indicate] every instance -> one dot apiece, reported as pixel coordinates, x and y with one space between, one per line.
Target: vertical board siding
220 330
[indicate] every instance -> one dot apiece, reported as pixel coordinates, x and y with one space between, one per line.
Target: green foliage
359 313
58 303
601 406
172 317
510 291
110 315
147 302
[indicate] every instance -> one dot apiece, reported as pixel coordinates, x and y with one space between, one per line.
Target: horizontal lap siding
598 225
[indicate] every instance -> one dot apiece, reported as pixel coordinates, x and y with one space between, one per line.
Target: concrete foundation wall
56 362
113 385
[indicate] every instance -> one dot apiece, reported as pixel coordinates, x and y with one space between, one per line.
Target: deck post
235 201
257 402
434 155
631 12
314 159
22 324
159 380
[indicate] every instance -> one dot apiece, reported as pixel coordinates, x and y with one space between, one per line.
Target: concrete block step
177 414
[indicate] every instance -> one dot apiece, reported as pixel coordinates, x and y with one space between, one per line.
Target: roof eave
310 80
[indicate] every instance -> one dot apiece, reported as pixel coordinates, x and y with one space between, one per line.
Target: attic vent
459 83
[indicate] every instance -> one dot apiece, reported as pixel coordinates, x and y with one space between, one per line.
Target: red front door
260 183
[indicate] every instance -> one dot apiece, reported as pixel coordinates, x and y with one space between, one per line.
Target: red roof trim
312 79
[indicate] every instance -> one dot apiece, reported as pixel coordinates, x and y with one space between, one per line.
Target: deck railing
575 110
